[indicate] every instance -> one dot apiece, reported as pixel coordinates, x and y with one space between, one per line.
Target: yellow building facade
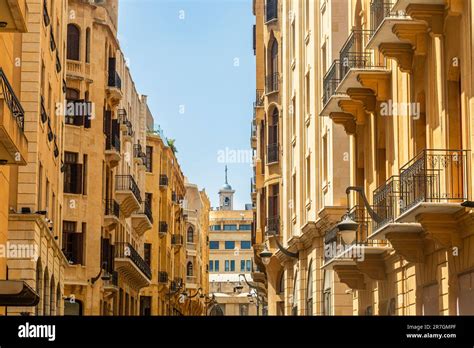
382 111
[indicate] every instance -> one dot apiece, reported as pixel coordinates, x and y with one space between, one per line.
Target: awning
17 293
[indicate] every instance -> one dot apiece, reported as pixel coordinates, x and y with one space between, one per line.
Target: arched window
327 290
217 310
58 299
272 77
39 287
271 10
189 269
274 57
294 309
46 293
281 284
52 298
88 45
273 137
190 235
309 290
73 42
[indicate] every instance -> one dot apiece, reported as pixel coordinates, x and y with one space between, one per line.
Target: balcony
112 150
357 258
273 153
258 103
434 181
271 10
142 220
114 83
112 213
78 113
253 188
273 225
127 194
163 180
174 197
111 285
125 125
191 282
253 134
177 240
163 277
402 5
131 266
13 143
331 81
272 83
163 228
139 155
13 13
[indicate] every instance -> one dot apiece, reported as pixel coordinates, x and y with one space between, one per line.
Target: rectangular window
147 255
72 243
229 245
245 245
246 227
214 244
227 266
84 176
72 173
230 227
215 227
149 159
249 265
232 265
242 265
211 266
216 265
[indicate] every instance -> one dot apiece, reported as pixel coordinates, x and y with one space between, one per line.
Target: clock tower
226 195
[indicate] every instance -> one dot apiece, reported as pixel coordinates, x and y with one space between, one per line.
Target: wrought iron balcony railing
258 98
113 143
162 277
163 227
52 41
272 153
253 129
127 183
138 152
354 55
147 210
253 186
112 208
331 80
379 10
271 84
273 225
46 18
177 239
174 197
434 176
126 250
385 202
163 180
8 94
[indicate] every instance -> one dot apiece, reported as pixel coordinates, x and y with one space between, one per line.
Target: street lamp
266 255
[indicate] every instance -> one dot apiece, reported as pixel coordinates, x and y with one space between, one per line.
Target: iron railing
253 129
385 202
258 98
163 227
163 180
177 240
379 10
331 80
147 210
271 84
272 153
113 143
353 54
126 250
162 277
434 176
44 114
127 183
12 101
112 208
273 225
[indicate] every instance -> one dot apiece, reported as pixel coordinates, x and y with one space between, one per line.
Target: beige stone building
231 258
35 195
376 99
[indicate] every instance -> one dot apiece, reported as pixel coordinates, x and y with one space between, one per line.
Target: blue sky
194 60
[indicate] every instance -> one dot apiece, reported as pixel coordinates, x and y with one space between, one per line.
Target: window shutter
76 178
78 248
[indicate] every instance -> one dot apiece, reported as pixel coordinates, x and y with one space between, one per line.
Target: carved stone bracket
408 244
441 228
402 53
379 84
355 108
346 120
351 276
373 265
433 15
